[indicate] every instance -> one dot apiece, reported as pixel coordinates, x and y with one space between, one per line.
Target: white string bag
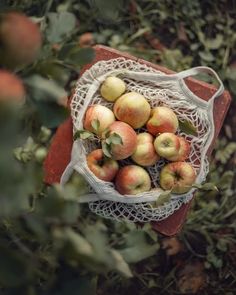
159 89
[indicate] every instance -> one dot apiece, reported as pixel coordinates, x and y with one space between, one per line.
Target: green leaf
206 56
120 264
79 243
95 124
79 56
57 207
60 26
137 248
187 127
51 69
115 138
51 114
107 10
83 134
106 148
15 269
162 199
208 186
215 43
231 73
82 285
42 89
223 155
232 85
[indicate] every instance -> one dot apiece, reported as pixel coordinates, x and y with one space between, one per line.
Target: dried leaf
172 246
192 278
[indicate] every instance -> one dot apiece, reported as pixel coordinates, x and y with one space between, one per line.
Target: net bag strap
181 76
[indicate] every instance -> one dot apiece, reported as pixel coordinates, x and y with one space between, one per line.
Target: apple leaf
137 247
187 127
106 133
208 186
95 124
82 134
163 198
115 138
106 148
108 140
121 265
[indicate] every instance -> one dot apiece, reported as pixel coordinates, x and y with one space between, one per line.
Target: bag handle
155 77
199 70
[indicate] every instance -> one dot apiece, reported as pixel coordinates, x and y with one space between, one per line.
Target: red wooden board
59 153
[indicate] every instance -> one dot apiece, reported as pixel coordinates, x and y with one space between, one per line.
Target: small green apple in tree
132 180
112 88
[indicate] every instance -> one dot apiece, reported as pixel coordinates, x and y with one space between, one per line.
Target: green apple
112 88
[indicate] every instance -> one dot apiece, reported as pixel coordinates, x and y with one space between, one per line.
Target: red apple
162 119
183 152
132 180
101 113
133 109
177 177
11 87
20 38
128 137
112 88
145 154
167 145
104 168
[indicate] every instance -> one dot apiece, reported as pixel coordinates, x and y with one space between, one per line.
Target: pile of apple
119 140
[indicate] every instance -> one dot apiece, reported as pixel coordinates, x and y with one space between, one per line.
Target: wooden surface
59 153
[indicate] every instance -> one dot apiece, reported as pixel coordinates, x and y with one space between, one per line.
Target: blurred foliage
50 244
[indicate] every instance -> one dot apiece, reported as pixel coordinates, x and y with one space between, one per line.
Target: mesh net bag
160 90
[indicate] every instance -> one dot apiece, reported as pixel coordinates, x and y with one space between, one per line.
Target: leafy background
50 245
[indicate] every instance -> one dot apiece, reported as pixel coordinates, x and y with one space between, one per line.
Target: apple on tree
99 114
21 39
177 177
112 88
11 87
162 119
104 168
133 109
145 154
132 180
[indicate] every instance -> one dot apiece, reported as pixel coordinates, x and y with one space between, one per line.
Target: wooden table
59 153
